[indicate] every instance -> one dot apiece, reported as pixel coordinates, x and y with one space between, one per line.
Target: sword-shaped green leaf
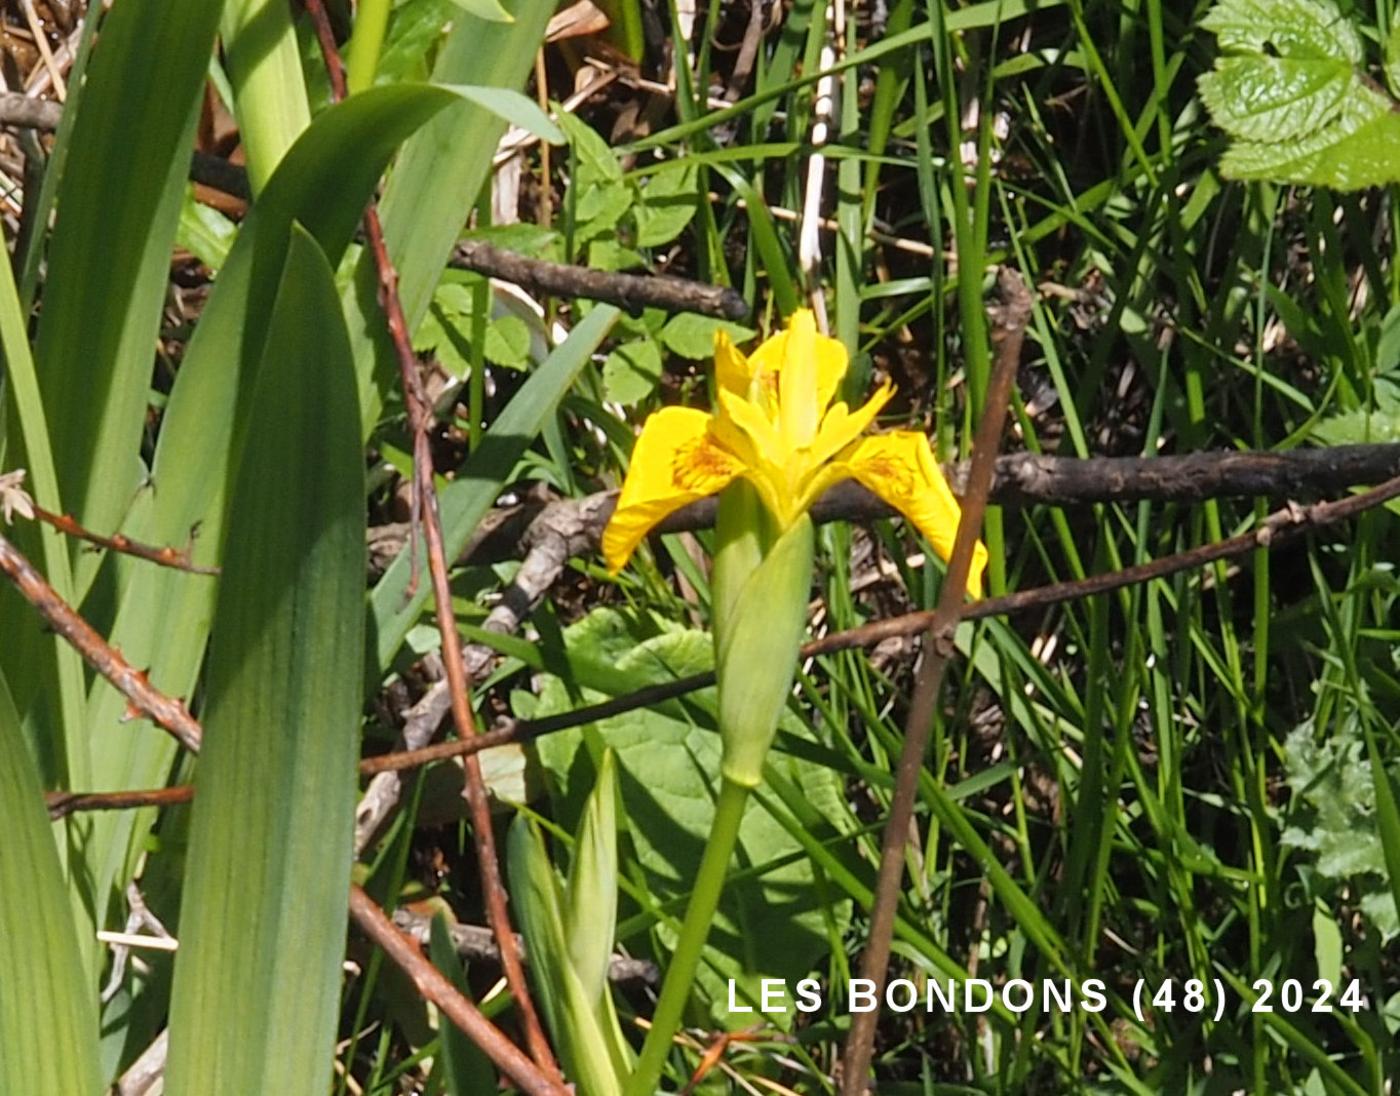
262 928
48 1015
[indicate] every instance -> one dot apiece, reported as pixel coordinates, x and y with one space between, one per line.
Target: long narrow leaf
262 928
118 205
436 182
472 493
163 616
48 1022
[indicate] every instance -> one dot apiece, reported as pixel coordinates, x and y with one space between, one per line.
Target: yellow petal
744 430
675 462
900 468
733 371
809 367
841 426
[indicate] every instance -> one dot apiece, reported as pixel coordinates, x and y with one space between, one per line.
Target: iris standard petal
900 468
676 461
733 371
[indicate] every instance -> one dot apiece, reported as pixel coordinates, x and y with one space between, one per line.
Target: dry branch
631 291
1019 479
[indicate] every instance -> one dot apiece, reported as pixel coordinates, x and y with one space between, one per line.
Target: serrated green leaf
1290 93
1275 98
1294 28
48 1022
631 372
1358 148
263 910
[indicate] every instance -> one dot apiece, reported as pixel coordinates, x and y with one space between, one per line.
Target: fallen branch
631 291
1019 479
476 943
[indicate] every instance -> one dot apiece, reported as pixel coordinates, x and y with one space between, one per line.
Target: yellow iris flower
776 426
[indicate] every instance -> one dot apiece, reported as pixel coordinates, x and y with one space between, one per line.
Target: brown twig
631 291
420 421
433 986
62 804
162 555
166 712
937 650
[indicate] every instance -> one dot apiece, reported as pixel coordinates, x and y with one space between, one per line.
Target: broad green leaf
163 616
668 204
470 495
693 336
668 772
256 995
435 184
48 1018
632 371
97 330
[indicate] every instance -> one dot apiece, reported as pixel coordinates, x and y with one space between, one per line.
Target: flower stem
680 975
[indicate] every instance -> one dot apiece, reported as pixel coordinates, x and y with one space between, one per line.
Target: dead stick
937 650
1020 479
420 421
632 291
433 986
167 712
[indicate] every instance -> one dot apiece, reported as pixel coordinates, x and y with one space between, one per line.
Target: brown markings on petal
891 471
698 463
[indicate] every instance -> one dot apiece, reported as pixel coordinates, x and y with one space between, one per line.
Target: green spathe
760 617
